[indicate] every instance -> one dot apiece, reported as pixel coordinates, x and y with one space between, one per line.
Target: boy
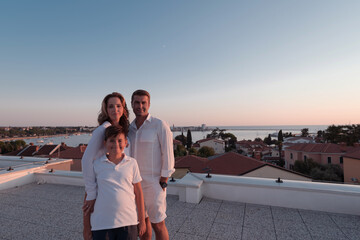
119 205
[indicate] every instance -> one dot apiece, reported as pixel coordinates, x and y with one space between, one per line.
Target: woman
113 112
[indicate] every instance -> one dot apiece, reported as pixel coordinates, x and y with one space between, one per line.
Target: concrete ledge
60 177
336 198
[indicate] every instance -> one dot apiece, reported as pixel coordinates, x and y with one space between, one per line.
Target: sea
241 132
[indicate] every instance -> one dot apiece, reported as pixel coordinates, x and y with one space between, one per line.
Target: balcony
48 206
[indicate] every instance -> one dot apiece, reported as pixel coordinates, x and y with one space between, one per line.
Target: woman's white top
94 150
115 203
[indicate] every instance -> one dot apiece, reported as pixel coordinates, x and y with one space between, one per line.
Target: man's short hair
140 92
113 131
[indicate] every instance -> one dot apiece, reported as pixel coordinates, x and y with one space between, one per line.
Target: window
291 167
329 159
305 157
291 156
341 160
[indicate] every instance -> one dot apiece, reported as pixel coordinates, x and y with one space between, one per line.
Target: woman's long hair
103 115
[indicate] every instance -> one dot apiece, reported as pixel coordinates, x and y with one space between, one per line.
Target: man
151 144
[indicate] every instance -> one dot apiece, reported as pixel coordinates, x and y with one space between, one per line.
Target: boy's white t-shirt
115 202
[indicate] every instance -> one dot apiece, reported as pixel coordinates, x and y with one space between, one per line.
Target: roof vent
208 170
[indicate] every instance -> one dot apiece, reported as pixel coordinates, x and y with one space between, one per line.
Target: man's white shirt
152 147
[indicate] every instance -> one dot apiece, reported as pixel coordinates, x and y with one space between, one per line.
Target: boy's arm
139 200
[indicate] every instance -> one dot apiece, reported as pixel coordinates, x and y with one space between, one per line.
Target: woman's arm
139 200
95 145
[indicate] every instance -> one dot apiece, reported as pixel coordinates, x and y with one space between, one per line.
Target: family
126 168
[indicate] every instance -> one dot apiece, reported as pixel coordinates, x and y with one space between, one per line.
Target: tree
305 166
280 144
320 134
192 151
189 139
348 134
229 138
287 134
305 132
268 140
216 133
281 160
280 136
206 152
181 138
180 151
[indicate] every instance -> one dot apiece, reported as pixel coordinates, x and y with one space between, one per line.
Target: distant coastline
36 137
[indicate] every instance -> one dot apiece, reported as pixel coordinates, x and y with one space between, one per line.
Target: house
217 144
352 167
236 164
38 151
290 141
74 153
253 148
322 153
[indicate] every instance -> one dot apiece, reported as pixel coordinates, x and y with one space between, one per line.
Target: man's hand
88 206
164 179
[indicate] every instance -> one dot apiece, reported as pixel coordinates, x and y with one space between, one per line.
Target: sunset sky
213 62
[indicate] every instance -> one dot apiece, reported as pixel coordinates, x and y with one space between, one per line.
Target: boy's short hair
114 131
140 92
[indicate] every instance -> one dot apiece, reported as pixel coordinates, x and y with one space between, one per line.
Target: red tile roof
229 163
355 154
29 151
71 153
45 150
193 163
320 148
13 153
233 164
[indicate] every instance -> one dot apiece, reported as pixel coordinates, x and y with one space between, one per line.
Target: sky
219 63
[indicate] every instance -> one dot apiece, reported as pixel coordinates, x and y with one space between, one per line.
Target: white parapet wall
336 198
60 177
23 171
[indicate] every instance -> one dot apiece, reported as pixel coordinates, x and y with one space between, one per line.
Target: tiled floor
54 212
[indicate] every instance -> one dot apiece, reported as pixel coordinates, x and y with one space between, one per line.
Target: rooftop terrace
53 211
